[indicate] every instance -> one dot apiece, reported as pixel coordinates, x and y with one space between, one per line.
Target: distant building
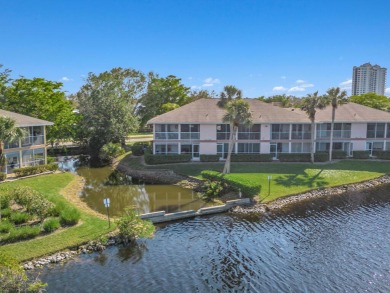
368 78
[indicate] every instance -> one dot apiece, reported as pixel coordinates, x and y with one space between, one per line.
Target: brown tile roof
206 111
24 120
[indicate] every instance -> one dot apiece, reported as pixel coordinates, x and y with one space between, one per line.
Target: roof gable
24 120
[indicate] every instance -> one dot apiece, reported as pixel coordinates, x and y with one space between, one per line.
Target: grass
91 227
287 178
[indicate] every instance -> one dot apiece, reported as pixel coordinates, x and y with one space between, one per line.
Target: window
223 131
12 161
248 148
189 131
166 148
34 136
340 130
375 130
300 147
301 131
249 132
192 149
166 131
280 131
388 131
33 157
337 146
222 150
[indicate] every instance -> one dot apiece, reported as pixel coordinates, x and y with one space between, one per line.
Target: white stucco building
368 78
197 128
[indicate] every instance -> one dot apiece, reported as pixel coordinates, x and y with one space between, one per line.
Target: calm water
337 245
147 198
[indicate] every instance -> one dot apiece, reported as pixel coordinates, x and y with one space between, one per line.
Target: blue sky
262 47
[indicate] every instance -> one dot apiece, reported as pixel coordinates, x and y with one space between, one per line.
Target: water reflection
103 183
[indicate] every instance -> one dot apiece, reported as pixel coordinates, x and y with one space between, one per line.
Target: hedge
361 154
209 158
26 171
3 176
138 148
383 155
248 188
294 157
251 158
167 159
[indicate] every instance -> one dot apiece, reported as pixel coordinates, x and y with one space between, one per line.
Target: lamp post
269 184
106 202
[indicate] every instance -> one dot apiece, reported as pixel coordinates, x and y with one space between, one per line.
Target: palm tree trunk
331 134
312 142
226 168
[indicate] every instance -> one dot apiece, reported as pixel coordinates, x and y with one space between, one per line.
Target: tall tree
4 80
42 99
162 95
372 100
237 113
310 104
335 97
9 132
107 104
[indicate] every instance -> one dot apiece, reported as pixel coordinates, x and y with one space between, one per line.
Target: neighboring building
368 79
197 128
30 150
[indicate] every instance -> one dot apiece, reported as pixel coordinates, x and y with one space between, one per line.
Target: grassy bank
287 178
90 226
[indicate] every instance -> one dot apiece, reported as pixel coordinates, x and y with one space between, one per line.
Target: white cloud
387 90
346 85
297 89
305 85
283 77
300 81
195 87
210 82
66 79
279 89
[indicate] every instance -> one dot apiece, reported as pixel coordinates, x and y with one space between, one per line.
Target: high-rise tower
368 78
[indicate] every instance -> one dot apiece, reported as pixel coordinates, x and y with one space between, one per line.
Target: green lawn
287 178
50 185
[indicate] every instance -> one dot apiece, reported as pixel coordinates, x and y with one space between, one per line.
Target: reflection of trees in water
101 259
118 178
133 252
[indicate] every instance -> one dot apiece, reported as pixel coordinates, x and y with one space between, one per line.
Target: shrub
305 157
19 218
14 279
321 157
213 189
21 233
167 159
55 211
138 148
4 200
131 226
41 207
32 170
251 158
51 160
361 154
69 216
3 176
247 187
209 158
110 151
5 226
51 224
383 155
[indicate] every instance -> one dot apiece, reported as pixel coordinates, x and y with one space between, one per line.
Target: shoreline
284 202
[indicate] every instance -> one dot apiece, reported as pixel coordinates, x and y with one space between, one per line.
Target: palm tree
310 105
237 113
9 132
335 97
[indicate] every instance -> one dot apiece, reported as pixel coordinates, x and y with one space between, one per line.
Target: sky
263 47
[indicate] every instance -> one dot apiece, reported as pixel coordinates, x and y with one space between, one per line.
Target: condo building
368 78
198 128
